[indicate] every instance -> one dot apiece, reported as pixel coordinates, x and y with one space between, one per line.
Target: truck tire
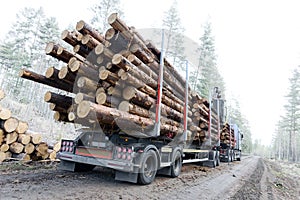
217 159
149 165
176 165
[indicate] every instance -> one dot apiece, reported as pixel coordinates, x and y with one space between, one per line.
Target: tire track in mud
251 189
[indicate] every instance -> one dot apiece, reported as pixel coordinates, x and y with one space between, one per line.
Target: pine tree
293 112
207 76
24 48
174 48
101 12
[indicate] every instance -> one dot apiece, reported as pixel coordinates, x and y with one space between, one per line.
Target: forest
24 47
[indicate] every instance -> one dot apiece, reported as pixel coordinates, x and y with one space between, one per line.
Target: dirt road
252 178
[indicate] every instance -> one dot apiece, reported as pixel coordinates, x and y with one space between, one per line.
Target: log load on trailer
138 114
231 140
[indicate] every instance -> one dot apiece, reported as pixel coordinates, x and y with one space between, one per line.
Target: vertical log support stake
159 87
186 99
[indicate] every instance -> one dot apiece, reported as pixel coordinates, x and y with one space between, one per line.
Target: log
11 137
89 41
5 114
83 69
85 28
43 80
81 97
22 127
58 99
104 99
42 149
52 155
58 52
2 94
57 146
16 147
108 76
51 72
1 136
2 156
70 37
108 115
29 148
36 138
87 85
24 139
66 75
60 117
82 50
9 125
4 147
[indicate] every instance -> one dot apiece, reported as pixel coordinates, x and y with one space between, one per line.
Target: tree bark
43 80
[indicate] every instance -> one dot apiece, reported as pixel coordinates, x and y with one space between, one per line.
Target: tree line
24 46
286 139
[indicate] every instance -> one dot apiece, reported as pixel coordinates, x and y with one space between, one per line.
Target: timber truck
183 128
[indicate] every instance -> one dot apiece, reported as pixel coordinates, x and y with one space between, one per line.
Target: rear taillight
67 146
124 153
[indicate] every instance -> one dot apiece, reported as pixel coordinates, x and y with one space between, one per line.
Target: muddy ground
252 178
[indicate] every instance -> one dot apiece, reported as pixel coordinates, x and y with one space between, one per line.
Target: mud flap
126 176
164 171
66 166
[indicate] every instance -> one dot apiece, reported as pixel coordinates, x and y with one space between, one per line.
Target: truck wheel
217 159
149 166
176 165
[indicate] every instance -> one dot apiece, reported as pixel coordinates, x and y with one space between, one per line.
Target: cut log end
11 124
83 109
47 96
128 93
71 116
101 98
63 72
112 18
49 47
117 59
80 25
124 106
99 49
5 114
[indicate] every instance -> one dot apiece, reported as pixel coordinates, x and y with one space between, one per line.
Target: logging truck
138 115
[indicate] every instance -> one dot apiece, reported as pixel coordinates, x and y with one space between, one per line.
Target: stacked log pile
227 135
114 78
17 142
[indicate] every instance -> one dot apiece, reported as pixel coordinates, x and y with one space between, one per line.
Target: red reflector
129 150
64 143
124 150
124 156
128 157
119 156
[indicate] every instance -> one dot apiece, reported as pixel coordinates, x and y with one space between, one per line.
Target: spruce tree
207 76
174 37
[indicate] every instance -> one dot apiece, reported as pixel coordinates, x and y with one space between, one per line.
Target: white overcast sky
257 42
